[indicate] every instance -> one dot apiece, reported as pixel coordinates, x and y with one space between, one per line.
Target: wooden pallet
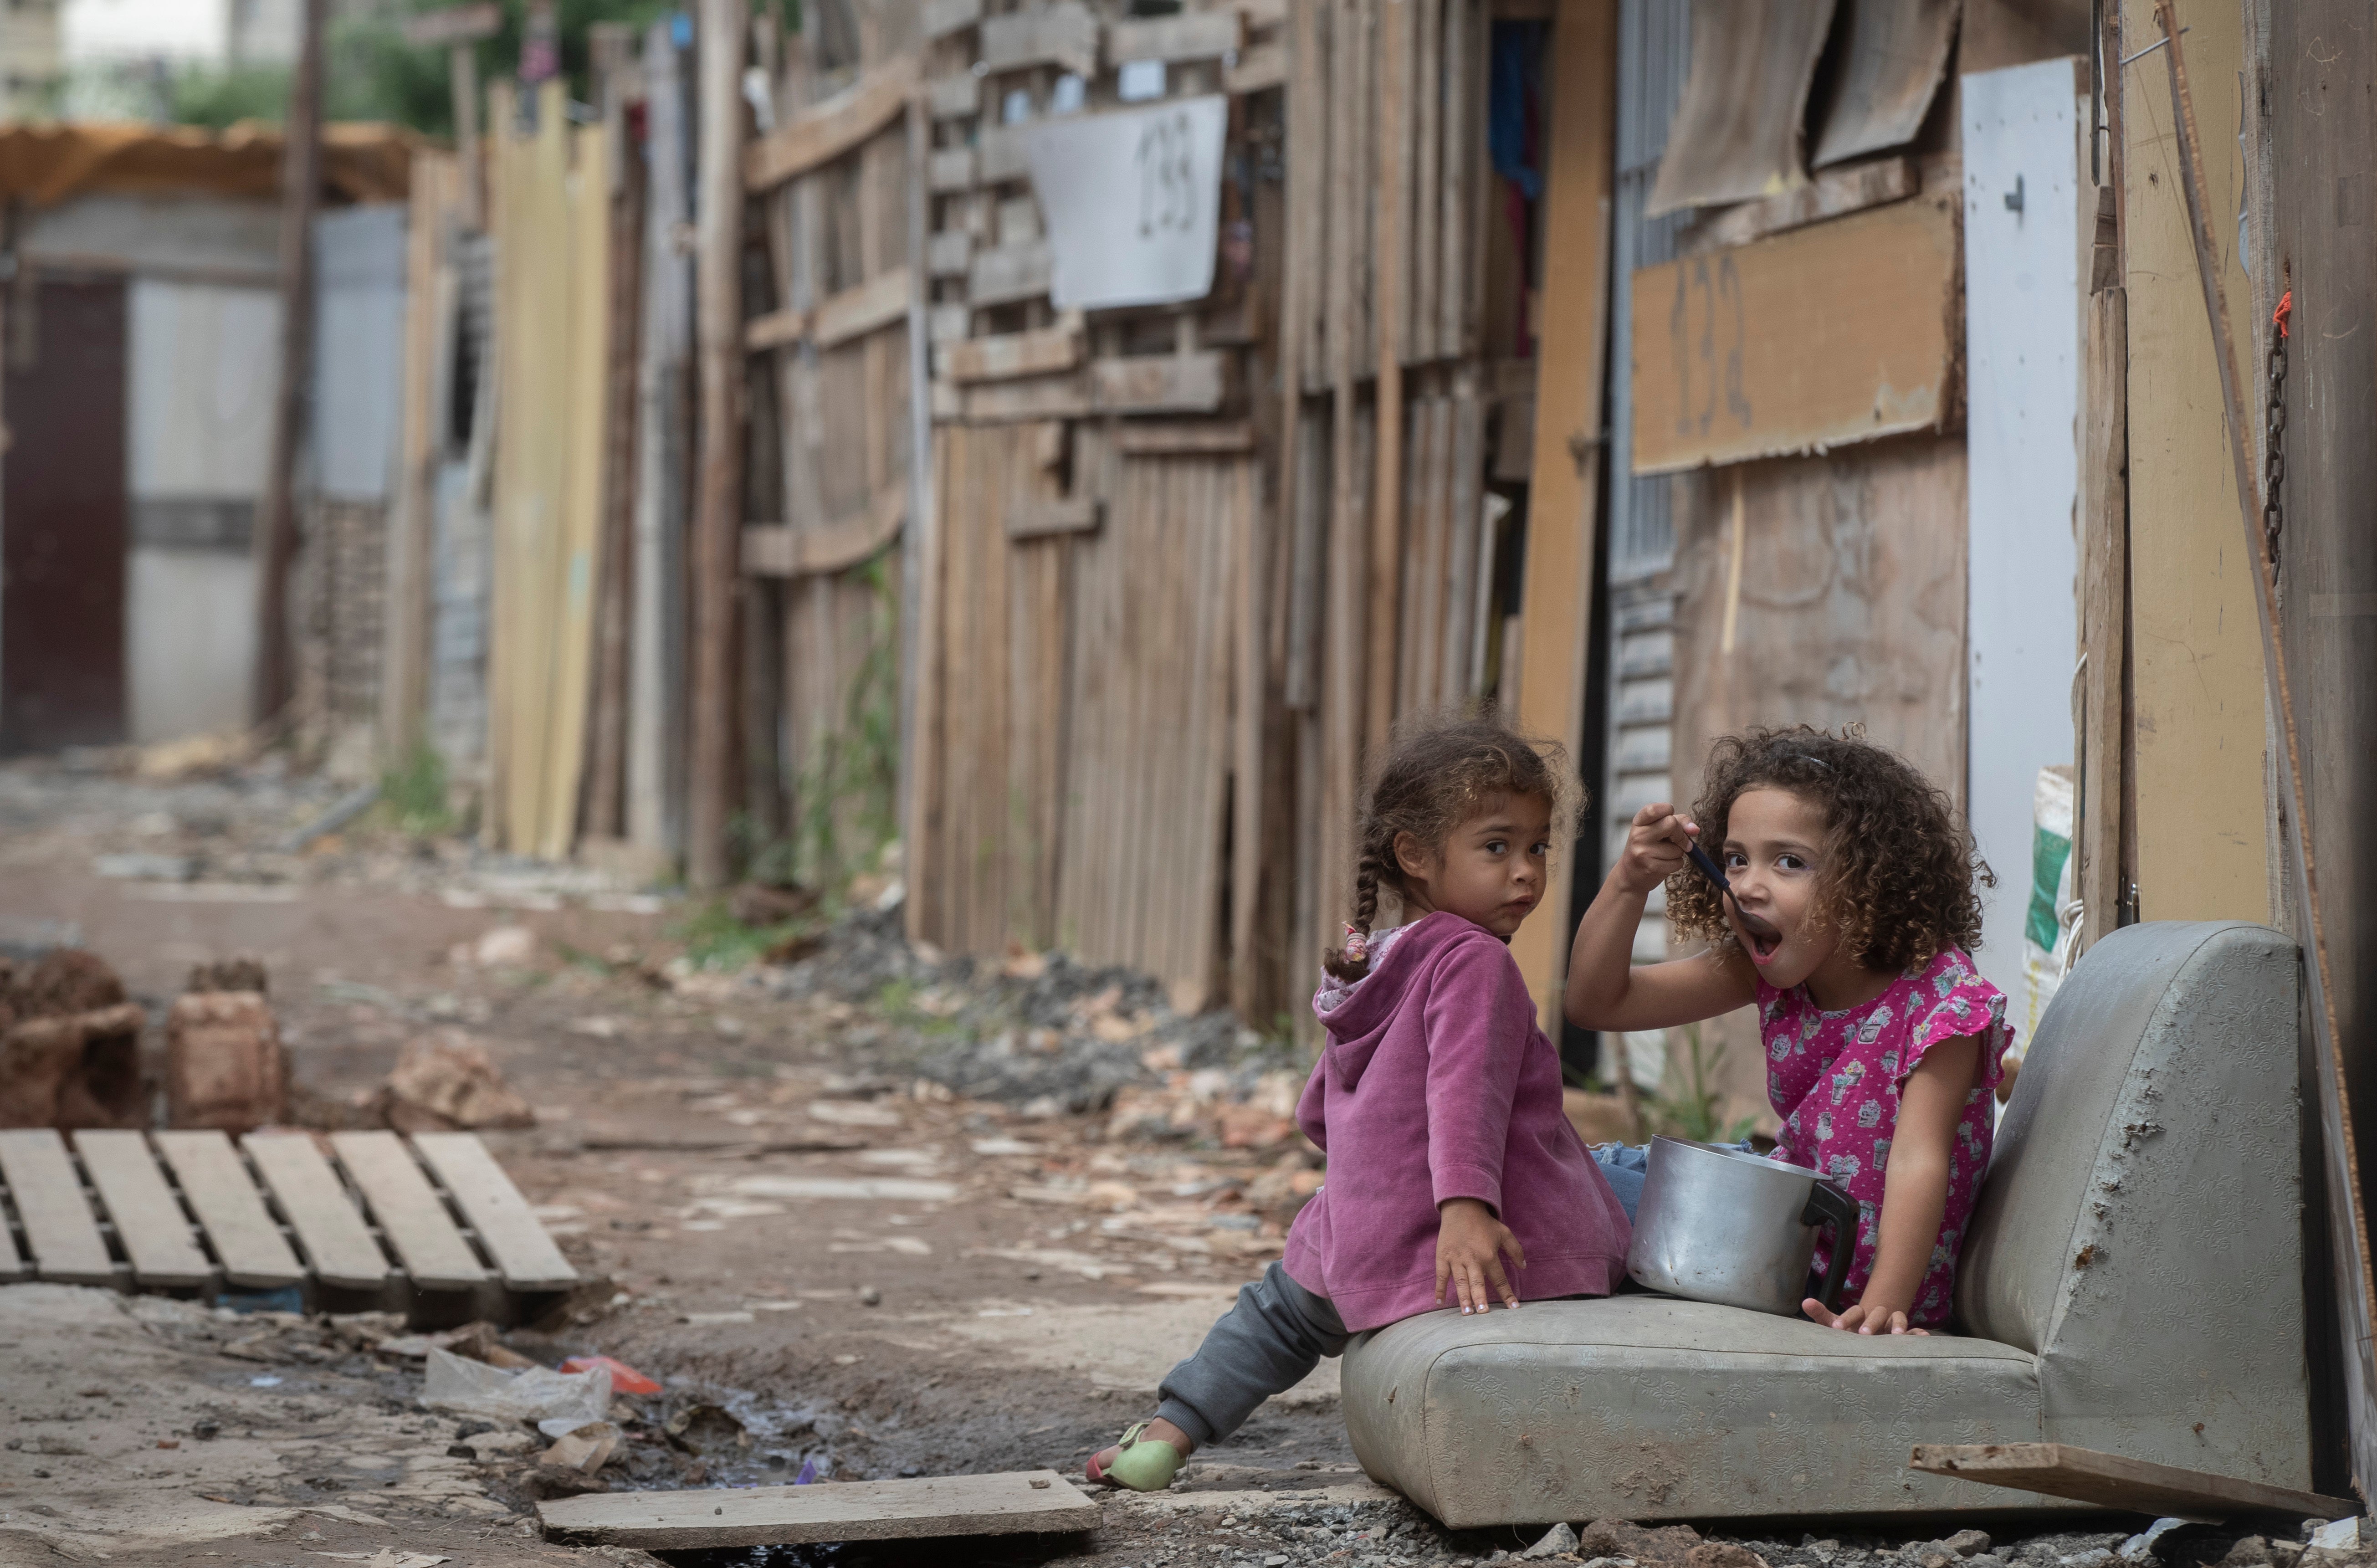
433 1226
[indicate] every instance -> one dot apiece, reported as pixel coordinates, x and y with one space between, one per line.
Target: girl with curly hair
1435 1098
1849 919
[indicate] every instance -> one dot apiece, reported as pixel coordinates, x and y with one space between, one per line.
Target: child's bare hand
1863 1319
1657 846
1469 1246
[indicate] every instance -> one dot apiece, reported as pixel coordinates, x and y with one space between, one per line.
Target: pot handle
1828 1204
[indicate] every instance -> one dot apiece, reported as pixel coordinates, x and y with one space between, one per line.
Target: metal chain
2274 477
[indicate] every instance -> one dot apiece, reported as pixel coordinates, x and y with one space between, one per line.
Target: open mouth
1761 938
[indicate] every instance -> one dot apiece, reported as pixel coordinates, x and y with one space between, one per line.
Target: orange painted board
1838 332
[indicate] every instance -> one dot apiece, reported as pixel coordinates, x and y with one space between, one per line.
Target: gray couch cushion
1645 1408
2134 1269
2141 1227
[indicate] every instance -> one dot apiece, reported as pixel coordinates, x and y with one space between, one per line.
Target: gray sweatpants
1265 1344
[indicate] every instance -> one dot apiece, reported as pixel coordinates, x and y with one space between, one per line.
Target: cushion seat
1646 1407
2131 1281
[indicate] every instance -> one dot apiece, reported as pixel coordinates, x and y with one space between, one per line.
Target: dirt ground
868 1273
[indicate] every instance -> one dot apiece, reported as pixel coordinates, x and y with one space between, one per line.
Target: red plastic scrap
625 1379
2286 308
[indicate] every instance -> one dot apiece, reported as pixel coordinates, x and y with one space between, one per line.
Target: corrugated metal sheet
1654 52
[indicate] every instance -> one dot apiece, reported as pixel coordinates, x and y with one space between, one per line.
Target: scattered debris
706 1429
1558 1541
444 1082
583 1449
625 1379
242 973
2336 1535
505 947
557 1402
755 904
74 1070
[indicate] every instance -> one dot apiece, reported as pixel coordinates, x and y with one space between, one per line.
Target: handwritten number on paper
1167 178
1720 314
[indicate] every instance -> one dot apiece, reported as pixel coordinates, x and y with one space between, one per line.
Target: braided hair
1439 770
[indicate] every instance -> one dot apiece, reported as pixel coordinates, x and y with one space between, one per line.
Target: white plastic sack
2051 916
558 1403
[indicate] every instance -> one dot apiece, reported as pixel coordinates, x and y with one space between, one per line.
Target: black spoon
1759 930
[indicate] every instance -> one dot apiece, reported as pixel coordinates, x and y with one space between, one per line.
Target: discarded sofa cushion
2149 1159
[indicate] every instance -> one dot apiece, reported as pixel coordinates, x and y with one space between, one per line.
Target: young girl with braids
1436 1099
1850 922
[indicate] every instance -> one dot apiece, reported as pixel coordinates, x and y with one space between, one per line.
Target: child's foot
1146 1459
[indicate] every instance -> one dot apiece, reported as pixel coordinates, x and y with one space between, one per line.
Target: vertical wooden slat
1424 312
718 514
337 1243
1557 614
1390 268
1467 466
2104 615
253 1254
148 1217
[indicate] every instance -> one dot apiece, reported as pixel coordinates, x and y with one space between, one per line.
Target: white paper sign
1132 201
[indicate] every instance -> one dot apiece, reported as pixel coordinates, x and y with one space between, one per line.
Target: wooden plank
141 1204
523 1253
949 170
60 1230
1193 35
954 97
818 136
776 330
1836 194
246 1242
1040 520
1202 437
1005 357
1177 383
1037 1501
1427 249
942 17
1556 621
949 254
2328 698
720 34
2132 1486
1000 156
882 301
408 1209
1730 364
1039 397
1008 274
1064 35
772 550
1460 234
1258 69
1390 321
330 1232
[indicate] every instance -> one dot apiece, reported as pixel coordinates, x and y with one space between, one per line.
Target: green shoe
1145 1464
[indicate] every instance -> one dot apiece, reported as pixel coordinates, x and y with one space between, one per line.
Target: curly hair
1900 870
1438 772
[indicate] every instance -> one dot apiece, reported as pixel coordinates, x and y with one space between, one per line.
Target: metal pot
1723 1225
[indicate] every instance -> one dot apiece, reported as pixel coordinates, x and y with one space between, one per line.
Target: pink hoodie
1436 1083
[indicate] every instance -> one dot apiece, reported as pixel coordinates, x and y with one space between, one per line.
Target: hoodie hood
1398 953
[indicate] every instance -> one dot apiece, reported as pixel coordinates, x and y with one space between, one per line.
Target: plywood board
60 1230
2021 128
330 1230
148 1218
247 1242
1731 362
1021 1502
1041 353
410 1213
2199 718
1737 135
1557 608
506 1226
2132 1486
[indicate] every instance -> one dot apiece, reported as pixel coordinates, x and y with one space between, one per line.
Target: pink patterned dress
1834 1080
